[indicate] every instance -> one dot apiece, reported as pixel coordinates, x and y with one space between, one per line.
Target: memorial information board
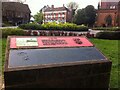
42 42
26 42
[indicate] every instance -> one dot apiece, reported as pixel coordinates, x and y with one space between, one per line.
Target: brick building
15 13
118 19
108 13
109 4
57 14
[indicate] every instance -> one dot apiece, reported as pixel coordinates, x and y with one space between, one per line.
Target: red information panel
42 42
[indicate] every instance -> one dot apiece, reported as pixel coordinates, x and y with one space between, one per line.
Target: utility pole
0 13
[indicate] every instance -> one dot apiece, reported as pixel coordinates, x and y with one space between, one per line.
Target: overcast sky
36 5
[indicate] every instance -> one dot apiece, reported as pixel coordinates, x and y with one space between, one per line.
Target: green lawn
3 45
108 47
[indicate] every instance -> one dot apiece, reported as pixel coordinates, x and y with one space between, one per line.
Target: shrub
6 24
82 28
30 26
108 35
107 28
54 26
12 31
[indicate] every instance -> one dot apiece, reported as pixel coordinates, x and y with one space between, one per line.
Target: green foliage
3 47
11 31
6 24
80 17
108 35
54 26
85 16
51 26
32 26
107 28
90 15
38 17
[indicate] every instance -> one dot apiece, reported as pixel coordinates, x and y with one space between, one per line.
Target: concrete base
95 75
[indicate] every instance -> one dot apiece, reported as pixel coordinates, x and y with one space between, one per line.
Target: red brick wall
67 17
102 14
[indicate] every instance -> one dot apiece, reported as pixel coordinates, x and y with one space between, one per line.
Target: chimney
47 6
52 6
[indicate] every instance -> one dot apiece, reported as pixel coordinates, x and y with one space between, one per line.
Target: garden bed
54 26
107 28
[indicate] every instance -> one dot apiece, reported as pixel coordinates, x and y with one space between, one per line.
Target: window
51 15
54 15
45 16
63 19
59 15
48 16
63 15
112 7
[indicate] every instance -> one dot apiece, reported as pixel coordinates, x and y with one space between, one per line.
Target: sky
36 5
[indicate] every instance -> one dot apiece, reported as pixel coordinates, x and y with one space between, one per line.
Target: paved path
8 27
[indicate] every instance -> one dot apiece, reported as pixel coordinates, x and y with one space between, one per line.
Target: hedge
107 28
54 26
12 31
56 33
20 32
108 35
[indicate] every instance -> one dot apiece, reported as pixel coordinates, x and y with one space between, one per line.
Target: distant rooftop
22 1
15 6
52 8
110 0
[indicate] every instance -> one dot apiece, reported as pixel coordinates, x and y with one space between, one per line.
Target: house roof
16 6
110 0
56 9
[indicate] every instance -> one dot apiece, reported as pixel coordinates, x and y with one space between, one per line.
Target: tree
38 17
86 16
73 6
80 17
90 12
